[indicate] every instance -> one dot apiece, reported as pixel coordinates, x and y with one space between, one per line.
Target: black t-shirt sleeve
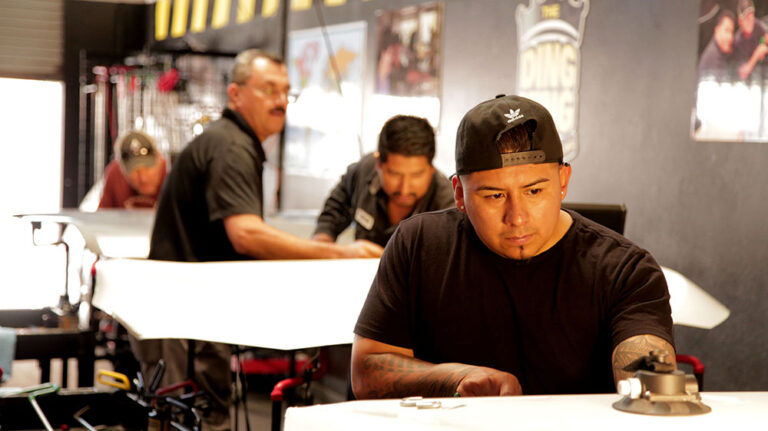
640 301
385 316
233 184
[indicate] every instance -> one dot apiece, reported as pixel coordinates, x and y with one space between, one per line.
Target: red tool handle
184 384
277 391
698 367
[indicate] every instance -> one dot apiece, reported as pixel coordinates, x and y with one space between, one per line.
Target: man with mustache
507 293
211 209
388 186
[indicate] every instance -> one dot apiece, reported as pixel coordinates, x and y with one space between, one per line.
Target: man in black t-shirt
211 209
507 293
388 186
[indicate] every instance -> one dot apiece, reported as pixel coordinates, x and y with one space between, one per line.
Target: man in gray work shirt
387 186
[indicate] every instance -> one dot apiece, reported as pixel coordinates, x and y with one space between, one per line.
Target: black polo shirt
359 198
219 174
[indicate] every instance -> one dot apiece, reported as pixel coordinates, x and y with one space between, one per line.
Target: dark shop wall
697 206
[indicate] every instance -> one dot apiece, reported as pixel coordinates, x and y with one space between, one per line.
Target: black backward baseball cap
481 127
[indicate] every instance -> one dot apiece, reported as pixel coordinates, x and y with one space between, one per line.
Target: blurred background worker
387 186
135 177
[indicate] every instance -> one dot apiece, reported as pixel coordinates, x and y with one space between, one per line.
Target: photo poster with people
731 101
549 34
408 63
323 125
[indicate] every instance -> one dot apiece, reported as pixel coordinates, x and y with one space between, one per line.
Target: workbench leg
45 369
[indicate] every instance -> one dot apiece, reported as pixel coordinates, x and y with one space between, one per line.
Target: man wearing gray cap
507 293
135 177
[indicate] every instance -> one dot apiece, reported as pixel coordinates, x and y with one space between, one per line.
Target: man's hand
760 51
757 55
363 248
482 381
745 69
380 370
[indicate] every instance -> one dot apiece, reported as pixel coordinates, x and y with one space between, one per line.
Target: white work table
287 304
110 233
730 410
284 305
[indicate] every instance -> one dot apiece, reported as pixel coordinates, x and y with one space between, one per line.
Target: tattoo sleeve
633 348
391 375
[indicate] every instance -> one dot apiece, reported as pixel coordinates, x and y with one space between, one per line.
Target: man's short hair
516 139
408 136
241 71
725 13
135 148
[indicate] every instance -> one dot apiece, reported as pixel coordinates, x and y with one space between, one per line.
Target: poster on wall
408 51
408 60
731 101
549 34
323 124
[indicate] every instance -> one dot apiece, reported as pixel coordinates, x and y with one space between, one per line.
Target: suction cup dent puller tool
658 389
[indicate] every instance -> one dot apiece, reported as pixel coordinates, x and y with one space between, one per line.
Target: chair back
611 216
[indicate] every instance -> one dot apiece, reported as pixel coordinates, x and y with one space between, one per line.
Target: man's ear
565 178
233 91
458 193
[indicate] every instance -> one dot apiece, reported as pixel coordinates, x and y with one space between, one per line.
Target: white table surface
285 305
110 233
730 411
309 303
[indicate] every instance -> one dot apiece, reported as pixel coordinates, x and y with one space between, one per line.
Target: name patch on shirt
363 219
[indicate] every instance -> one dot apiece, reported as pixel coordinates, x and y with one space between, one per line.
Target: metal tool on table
658 389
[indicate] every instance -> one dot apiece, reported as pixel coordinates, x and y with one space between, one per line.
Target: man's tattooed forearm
391 375
633 348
